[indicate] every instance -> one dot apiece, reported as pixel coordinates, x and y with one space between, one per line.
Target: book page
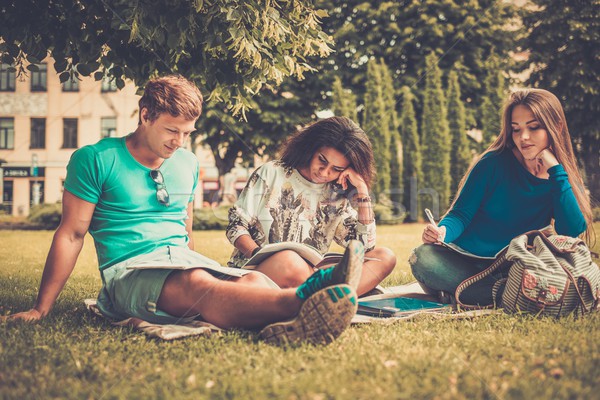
309 253
547 230
464 252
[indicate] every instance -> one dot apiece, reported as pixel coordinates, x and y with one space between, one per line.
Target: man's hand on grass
32 315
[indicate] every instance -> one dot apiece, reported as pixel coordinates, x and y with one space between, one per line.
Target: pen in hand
430 217
432 222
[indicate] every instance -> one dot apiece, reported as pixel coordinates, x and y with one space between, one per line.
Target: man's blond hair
171 94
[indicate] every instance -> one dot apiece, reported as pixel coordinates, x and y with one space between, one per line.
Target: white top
279 205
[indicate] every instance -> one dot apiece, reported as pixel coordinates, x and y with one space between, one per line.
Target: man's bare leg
227 304
317 312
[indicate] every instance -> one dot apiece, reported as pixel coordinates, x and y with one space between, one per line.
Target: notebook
398 306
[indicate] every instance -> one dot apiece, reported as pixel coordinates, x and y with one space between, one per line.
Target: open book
464 252
548 230
309 253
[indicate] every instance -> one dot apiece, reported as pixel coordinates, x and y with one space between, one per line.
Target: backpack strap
499 264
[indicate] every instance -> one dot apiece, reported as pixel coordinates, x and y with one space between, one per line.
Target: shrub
385 215
46 216
211 218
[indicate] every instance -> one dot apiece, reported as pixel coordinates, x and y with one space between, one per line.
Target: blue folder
397 306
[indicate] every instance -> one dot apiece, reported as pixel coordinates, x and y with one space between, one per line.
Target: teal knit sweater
501 200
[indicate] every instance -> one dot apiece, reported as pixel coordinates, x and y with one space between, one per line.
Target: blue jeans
439 268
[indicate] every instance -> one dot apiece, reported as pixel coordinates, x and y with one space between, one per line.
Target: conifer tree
376 125
491 104
395 191
344 101
460 156
488 122
412 158
436 141
389 95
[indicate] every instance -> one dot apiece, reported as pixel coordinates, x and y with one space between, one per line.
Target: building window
7 78
108 127
69 133
71 85
39 78
7 133
38 133
108 85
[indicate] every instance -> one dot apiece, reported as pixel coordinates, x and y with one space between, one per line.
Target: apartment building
42 122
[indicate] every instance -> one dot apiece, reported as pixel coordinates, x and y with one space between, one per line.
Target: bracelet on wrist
254 251
363 199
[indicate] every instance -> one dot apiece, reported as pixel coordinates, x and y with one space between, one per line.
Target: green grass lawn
72 354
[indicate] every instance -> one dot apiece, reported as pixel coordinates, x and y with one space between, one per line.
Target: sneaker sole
321 319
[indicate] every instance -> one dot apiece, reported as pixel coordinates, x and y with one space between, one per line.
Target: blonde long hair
549 112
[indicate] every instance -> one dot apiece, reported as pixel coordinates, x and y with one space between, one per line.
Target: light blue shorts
132 287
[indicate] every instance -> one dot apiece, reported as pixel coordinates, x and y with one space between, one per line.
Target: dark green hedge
46 216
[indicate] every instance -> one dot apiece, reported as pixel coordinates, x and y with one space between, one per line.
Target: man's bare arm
66 246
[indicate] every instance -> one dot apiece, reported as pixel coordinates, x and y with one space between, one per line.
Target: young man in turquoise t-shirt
134 195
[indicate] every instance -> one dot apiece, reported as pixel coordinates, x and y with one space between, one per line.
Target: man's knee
194 278
256 279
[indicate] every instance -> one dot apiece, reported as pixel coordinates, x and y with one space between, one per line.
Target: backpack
547 275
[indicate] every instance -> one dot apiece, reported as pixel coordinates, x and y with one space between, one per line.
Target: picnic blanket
161 331
196 328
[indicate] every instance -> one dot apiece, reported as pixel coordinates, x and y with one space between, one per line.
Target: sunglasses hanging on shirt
161 189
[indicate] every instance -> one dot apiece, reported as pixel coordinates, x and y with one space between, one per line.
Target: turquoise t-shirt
128 219
501 200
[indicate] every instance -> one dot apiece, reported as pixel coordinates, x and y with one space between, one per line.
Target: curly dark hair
340 133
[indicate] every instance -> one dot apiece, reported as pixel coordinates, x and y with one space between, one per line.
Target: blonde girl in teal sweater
527 179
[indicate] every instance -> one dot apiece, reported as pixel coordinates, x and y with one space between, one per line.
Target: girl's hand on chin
545 160
350 175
